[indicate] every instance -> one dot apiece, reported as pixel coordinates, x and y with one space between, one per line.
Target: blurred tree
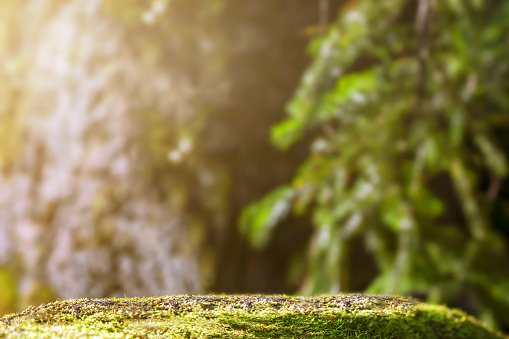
404 101
101 172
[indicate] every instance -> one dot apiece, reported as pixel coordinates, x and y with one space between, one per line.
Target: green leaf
259 219
394 212
457 129
324 218
494 158
286 133
352 86
427 204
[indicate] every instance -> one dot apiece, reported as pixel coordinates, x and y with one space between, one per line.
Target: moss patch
243 316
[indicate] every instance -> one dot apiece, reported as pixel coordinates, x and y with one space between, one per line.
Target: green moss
244 316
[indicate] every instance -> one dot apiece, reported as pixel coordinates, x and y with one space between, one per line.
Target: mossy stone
244 316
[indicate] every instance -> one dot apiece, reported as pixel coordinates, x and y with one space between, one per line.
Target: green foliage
402 100
259 219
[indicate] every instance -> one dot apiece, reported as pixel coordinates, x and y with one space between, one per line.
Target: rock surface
244 316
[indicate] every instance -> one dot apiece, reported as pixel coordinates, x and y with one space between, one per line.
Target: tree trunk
77 218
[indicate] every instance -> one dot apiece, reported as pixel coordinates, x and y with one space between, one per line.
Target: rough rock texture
245 316
76 216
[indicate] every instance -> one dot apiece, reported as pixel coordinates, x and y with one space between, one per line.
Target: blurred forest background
270 146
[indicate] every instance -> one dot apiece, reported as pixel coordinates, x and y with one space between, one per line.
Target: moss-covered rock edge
244 316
